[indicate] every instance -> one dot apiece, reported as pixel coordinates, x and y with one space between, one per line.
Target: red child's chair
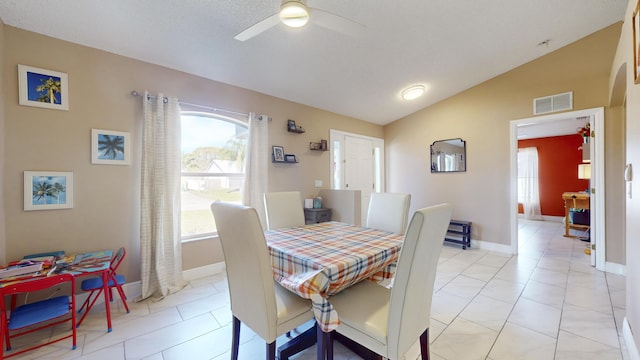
38 315
94 285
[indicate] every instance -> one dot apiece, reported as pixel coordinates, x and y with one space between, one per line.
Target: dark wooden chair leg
329 344
321 344
424 345
271 351
235 339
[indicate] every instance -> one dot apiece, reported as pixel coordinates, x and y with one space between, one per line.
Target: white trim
203 271
598 218
597 199
632 348
133 290
491 246
513 184
340 135
614 268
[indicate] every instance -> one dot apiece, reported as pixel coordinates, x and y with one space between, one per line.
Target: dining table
319 260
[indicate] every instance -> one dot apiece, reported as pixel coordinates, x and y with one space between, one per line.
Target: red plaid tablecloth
320 260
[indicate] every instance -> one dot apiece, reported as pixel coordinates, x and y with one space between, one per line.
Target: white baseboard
131 290
632 348
491 246
134 290
614 268
203 271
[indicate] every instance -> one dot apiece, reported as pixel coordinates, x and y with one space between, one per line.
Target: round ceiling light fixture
413 92
294 13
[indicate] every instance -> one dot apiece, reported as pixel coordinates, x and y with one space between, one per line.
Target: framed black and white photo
110 147
43 88
48 190
278 154
291 125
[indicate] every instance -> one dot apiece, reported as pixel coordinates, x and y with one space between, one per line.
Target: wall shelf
293 128
284 162
288 159
318 146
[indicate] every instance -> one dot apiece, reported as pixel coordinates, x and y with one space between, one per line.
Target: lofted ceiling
448 46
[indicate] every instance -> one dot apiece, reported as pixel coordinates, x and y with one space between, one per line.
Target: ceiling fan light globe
294 14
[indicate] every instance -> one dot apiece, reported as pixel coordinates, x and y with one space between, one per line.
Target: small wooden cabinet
574 200
314 216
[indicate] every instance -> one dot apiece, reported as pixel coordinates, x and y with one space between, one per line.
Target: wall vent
553 103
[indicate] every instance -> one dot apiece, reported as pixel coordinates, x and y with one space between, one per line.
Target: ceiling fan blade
258 28
335 22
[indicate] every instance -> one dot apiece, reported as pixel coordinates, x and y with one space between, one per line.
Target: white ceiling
447 45
558 127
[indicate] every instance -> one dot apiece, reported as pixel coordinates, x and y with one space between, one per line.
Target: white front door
358 169
357 163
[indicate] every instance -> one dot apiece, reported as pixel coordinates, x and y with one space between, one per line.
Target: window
213 153
528 187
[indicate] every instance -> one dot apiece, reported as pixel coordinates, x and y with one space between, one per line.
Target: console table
574 200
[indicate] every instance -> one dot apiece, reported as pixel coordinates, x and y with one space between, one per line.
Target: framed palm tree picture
43 88
48 190
110 147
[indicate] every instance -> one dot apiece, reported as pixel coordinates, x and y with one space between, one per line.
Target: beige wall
106 204
481 116
623 92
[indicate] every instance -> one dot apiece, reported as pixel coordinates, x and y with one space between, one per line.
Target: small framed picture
278 154
636 43
290 158
110 147
43 88
291 125
48 190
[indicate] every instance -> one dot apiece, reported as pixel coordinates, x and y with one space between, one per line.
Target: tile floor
546 303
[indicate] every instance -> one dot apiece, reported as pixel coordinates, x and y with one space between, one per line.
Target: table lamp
584 173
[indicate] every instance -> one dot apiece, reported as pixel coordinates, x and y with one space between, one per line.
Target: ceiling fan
296 13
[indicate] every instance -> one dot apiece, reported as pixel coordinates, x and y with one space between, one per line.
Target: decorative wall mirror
449 156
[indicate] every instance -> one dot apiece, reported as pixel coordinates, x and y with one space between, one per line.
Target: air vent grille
553 103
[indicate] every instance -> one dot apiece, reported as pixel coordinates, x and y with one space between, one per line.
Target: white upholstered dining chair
388 212
389 321
257 299
283 209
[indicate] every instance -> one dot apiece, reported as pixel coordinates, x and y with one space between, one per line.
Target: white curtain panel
161 253
256 172
528 166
